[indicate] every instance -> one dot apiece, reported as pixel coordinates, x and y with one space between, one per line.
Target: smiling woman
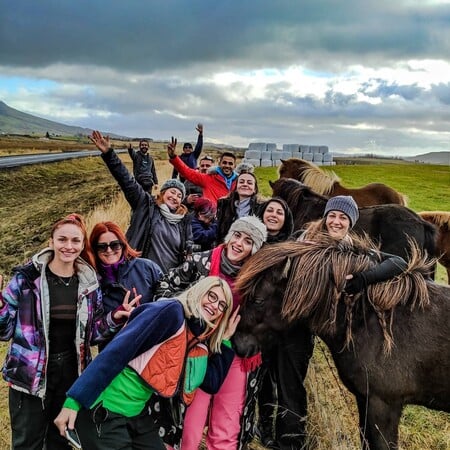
110 411
159 228
245 237
60 288
120 269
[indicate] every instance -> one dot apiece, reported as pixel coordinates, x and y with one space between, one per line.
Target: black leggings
32 417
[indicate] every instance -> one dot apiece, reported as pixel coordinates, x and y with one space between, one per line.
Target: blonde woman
173 343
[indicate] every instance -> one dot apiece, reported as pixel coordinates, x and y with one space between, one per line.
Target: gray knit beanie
252 226
345 204
173 183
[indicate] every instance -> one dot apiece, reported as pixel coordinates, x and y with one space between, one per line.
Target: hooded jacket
25 320
213 183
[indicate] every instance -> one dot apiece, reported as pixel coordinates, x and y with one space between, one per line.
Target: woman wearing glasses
52 312
221 412
119 267
174 344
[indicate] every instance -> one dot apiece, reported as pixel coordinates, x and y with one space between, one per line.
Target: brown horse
390 344
328 183
442 221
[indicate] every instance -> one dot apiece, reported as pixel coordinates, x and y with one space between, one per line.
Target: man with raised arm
216 183
189 156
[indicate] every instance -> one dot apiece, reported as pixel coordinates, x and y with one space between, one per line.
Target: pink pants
225 410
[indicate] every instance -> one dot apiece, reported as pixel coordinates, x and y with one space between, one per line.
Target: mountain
432 158
13 121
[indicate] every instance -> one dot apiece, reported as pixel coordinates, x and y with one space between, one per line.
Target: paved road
7 162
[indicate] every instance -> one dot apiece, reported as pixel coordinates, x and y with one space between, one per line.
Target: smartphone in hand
72 437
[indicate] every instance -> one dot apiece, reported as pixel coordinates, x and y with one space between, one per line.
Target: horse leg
378 422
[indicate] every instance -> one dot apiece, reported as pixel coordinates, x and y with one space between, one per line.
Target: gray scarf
243 207
226 267
170 216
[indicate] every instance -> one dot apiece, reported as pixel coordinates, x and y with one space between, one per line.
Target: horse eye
258 302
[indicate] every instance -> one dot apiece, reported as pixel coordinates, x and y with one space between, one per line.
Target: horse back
392 225
371 194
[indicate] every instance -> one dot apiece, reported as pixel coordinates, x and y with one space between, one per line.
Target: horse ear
282 161
271 183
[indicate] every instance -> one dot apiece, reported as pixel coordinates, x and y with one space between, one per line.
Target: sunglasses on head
113 245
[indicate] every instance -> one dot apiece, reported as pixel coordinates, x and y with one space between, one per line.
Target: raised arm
132 190
194 176
100 141
199 145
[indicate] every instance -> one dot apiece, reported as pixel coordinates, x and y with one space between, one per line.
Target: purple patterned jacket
24 319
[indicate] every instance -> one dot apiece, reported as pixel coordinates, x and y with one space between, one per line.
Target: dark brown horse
328 183
390 344
390 226
442 221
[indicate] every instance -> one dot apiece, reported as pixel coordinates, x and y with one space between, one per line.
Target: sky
364 76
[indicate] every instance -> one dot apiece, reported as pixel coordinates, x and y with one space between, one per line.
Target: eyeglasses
102 247
213 298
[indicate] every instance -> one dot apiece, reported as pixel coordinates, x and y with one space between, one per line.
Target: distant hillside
13 121
432 158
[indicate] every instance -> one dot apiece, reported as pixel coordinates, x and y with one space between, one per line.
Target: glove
355 284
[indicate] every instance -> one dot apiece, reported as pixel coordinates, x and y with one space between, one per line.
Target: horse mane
308 173
324 263
439 218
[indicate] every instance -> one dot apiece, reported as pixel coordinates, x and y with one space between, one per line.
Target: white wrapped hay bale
260 146
293 148
266 156
317 158
255 162
266 163
253 154
308 156
323 149
304 149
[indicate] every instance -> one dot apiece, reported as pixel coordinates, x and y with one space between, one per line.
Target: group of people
162 314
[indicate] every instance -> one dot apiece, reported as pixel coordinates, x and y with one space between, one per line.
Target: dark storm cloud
165 34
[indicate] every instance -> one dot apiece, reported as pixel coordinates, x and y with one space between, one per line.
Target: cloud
343 74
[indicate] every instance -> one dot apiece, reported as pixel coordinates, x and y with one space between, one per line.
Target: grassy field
33 197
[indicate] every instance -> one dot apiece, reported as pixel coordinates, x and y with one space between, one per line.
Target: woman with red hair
52 312
119 266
